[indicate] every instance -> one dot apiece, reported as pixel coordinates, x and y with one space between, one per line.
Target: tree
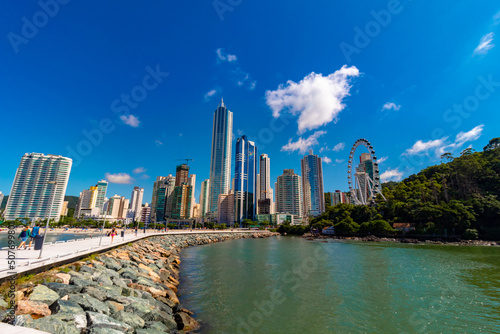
493 144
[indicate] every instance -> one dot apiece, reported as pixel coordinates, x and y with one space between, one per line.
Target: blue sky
416 78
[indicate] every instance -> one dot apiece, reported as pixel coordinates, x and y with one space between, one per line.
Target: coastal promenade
60 252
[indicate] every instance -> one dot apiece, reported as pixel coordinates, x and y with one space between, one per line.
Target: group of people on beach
30 234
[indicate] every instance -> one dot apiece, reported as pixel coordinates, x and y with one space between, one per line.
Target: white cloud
145 177
339 161
485 44
381 160
130 120
461 139
303 145
209 94
327 160
139 170
391 175
158 143
339 147
120 178
496 19
243 78
441 146
424 147
391 106
316 99
222 56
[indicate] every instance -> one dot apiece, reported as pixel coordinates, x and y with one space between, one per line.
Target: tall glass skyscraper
102 187
245 180
220 163
32 194
312 185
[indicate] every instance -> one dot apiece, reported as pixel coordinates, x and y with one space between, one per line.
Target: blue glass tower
312 185
245 180
220 164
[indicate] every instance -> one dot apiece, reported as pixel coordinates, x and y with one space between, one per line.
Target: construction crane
187 160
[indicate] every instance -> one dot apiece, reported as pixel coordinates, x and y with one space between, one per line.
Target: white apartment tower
39 187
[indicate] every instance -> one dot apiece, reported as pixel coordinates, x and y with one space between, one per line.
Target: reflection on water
291 285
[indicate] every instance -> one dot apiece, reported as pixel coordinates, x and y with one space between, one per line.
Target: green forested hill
458 196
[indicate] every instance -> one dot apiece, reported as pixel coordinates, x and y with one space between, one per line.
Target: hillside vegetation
458 197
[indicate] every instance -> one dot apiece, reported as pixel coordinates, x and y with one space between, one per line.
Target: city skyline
78 106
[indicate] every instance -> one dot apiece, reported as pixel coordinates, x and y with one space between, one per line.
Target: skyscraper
312 185
192 183
161 203
33 190
182 195
245 180
136 202
289 193
1 198
266 198
220 163
204 198
102 187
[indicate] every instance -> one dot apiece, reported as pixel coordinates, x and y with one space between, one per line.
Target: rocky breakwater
131 289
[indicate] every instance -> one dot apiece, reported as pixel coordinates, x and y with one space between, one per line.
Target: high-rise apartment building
289 193
312 185
266 196
118 207
102 187
182 195
245 180
192 183
161 206
220 163
39 187
136 202
225 213
1 198
146 214
205 198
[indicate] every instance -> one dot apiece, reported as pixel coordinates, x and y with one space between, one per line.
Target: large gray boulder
53 325
110 263
130 319
64 289
98 320
43 294
65 306
89 303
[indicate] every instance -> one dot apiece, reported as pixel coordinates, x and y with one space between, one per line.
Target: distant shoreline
403 240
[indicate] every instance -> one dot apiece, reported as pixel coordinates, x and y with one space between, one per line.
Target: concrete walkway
9 329
62 251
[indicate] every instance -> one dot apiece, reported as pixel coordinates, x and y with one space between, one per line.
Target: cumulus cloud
424 147
119 178
139 170
209 94
130 120
485 45
303 145
381 160
339 147
391 106
316 99
222 56
440 146
391 175
327 160
461 139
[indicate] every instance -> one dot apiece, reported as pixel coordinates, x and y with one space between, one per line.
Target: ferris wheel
366 183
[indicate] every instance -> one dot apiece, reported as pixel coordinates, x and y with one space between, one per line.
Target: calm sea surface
291 285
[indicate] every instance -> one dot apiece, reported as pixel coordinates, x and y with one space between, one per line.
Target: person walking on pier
34 233
113 233
24 235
